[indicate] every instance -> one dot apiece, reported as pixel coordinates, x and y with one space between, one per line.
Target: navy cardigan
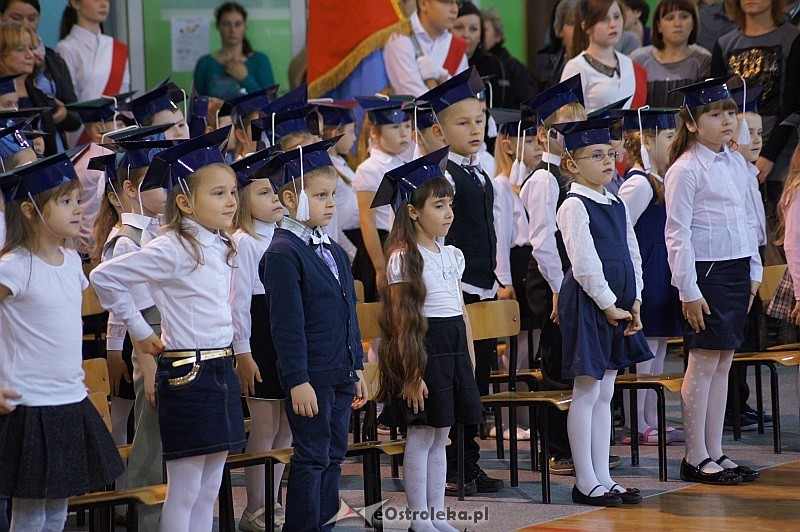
312 315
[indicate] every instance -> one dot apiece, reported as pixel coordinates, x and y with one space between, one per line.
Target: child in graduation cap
158 107
648 134
246 109
426 371
712 250
598 306
389 133
256 220
461 124
188 273
312 309
53 442
289 121
423 119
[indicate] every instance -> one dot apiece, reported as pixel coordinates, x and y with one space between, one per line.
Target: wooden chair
370 329
98 387
668 381
93 316
359 286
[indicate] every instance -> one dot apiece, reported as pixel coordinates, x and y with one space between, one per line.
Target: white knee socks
192 487
47 515
424 473
700 373
270 431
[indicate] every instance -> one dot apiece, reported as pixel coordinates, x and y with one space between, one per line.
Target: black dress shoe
747 474
607 499
691 473
628 495
486 484
451 488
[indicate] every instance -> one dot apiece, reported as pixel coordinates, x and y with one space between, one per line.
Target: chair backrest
494 319
372 376
368 314
359 290
100 401
90 304
770 280
96 376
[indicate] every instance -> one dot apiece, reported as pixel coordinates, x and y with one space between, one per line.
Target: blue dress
592 346
661 305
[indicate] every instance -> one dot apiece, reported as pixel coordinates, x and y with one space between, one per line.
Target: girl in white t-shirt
427 381
53 442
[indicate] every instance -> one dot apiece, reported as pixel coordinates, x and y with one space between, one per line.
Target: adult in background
97 63
636 14
430 55
17 43
514 83
236 68
673 60
716 19
53 76
549 62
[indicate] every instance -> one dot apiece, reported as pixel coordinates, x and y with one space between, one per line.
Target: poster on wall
190 41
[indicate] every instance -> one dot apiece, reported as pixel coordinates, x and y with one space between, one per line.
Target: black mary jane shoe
726 477
628 495
607 500
747 474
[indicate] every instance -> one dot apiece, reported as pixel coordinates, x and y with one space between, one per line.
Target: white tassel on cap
303 210
416 154
491 128
642 150
514 175
743 138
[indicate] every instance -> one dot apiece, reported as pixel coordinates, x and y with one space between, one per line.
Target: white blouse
637 193
709 215
441 273
88 57
513 229
539 195
192 297
587 268
368 177
246 281
757 204
600 90
346 215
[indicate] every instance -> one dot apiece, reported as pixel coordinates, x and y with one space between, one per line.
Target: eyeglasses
599 156
457 3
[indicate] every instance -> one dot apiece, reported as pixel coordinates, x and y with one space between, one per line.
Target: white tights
704 393
646 400
38 515
424 476
591 409
270 431
192 487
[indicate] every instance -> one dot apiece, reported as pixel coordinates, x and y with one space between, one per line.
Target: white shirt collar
265 229
606 197
706 157
139 221
84 35
382 157
203 235
460 160
419 30
551 158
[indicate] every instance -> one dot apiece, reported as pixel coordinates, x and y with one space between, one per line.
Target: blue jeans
320 443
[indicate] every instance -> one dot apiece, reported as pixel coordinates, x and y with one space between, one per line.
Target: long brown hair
664 8
588 13
502 159
633 155
174 218
685 139
23 232
107 219
401 355
790 188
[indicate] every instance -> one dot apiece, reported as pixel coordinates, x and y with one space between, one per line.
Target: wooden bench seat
101 503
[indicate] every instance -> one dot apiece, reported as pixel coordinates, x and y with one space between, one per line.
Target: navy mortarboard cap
585 133
551 100
652 118
467 84
254 101
609 111
753 96
198 115
12 137
508 122
249 168
280 124
313 156
90 111
39 176
7 85
137 133
383 111
171 166
293 99
424 117
140 153
105 163
22 113
336 113
793 120
398 185
150 103
705 92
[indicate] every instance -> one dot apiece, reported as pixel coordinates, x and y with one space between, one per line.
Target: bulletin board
268 29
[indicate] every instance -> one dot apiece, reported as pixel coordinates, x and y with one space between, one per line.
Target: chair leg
269 495
535 442
227 522
512 447
133 517
395 458
737 413
633 393
545 459
356 422
498 429
460 458
776 408
759 400
662 434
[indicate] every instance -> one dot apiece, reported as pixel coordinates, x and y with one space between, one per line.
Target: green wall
513 14
270 36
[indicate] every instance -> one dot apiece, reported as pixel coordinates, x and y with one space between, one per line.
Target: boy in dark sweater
314 327
460 123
